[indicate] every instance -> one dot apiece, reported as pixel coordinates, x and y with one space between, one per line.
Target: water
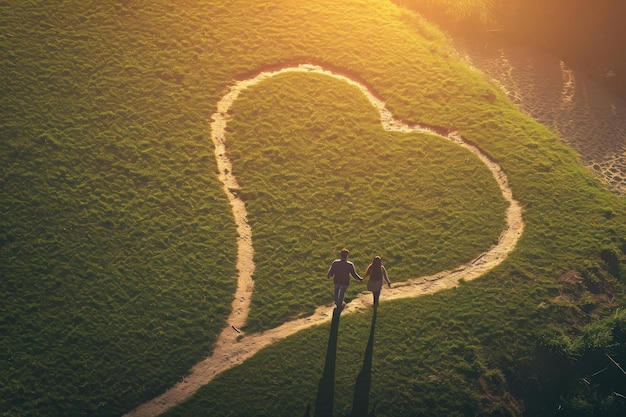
588 117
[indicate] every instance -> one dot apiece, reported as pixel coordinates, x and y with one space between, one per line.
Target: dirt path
233 347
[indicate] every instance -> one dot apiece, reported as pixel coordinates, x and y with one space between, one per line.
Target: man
341 269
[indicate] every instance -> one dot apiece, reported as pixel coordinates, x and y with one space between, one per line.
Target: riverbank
588 117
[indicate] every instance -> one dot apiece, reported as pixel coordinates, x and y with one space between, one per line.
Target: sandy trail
232 347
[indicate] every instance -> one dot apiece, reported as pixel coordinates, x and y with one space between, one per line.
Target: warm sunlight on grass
459 10
118 246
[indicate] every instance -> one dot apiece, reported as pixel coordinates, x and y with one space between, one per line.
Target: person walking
341 270
377 273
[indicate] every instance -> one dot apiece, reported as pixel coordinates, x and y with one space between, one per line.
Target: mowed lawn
117 243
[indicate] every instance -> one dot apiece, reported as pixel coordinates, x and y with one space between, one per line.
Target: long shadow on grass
326 387
360 402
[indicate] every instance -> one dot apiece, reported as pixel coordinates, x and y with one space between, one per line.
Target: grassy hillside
117 245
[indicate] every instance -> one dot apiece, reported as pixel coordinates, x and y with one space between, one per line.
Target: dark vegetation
587 34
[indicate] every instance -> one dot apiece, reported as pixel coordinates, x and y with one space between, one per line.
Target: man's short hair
344 253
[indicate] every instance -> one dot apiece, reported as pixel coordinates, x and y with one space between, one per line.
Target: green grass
116 240
410 375
117 244
318 173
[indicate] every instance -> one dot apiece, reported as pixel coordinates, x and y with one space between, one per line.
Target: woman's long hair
375 268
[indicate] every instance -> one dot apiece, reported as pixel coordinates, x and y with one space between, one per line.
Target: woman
377 272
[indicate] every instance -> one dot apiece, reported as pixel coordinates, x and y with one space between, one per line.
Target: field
118 247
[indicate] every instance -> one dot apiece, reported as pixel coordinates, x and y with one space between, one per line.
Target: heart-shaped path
232 346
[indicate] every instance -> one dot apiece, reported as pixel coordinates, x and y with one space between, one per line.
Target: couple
341 269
